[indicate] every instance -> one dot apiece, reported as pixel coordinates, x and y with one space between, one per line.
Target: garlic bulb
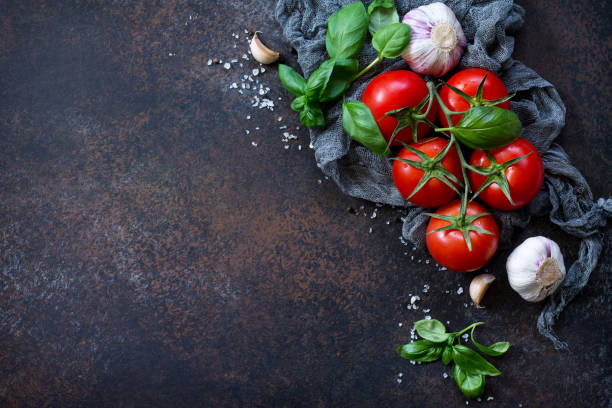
535 268
437 41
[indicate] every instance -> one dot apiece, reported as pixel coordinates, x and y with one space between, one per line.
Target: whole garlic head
535 268
437 41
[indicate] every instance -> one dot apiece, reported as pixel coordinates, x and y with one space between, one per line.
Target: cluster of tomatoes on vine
431 171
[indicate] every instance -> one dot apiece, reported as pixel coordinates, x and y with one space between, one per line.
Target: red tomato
406 177
449 248
395 90
467 81
524 178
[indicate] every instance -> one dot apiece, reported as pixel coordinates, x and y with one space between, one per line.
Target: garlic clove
479 286
535 268
261 53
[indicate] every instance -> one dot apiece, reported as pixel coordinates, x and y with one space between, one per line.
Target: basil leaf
341 77
496 349
392 40
382 13
472 362
471 385
487 127
359 123
298 103
312 115
432 330
331 79
291 80
317 81
447 355
422 351
347 29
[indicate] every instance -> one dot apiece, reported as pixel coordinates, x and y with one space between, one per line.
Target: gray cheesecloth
489 26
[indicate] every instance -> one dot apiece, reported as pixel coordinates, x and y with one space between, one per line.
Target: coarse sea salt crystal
460 290
255 72
227 65
254 143
209 62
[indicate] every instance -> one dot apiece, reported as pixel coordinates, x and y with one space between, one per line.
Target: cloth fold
489 26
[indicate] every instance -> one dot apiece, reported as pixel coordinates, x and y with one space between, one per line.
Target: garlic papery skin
535 268
437 41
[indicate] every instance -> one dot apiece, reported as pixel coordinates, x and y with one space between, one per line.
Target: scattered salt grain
299 147
460 290
227 65
490 398
254 143
400 374
246 131
280 118
244 56
427 317
399 380
209 62
286 147
248 117
255 71
444 375
234 60
262 70
400 324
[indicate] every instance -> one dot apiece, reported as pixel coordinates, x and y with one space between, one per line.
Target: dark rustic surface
151 255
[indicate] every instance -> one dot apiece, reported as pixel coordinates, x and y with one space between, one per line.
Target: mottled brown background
150 255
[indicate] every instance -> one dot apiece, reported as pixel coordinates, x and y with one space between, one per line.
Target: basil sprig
469 367
347 30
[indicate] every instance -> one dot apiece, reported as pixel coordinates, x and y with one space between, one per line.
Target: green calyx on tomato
410 117
432 168
478 99
496 173
461 222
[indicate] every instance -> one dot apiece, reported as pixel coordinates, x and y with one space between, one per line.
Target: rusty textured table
162 243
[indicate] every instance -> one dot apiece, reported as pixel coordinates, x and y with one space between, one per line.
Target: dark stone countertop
151 255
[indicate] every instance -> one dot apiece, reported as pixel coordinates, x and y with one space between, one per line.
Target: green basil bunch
469 367
347 30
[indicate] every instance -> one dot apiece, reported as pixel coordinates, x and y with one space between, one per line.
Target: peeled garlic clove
261 53
535 268
437 41
479 286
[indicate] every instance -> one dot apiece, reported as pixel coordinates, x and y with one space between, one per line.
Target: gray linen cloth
489 26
